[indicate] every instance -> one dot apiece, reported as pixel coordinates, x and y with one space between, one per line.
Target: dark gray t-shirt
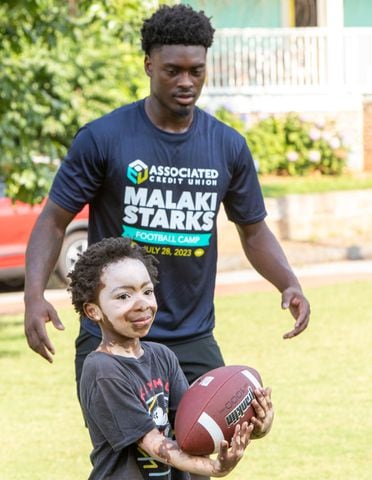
122 400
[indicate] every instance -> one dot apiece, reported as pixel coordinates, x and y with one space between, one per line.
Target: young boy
130 389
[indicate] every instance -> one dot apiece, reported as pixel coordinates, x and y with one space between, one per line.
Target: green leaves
62 65
28 181
289 145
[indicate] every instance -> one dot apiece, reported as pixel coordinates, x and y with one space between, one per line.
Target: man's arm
267 257
167 451
42 253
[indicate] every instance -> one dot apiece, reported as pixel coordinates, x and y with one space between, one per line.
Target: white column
330 13
331 16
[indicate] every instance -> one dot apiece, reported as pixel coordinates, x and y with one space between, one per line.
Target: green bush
289 145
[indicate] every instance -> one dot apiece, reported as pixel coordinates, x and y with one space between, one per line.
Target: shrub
289 145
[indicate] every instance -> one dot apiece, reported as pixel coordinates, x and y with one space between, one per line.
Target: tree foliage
63 63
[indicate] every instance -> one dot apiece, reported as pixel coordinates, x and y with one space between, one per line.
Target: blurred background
295 78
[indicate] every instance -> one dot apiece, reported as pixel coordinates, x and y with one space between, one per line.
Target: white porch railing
290 60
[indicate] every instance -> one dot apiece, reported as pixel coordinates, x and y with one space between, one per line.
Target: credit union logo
137 172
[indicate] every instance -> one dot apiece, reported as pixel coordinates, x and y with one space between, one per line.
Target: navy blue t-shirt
164 191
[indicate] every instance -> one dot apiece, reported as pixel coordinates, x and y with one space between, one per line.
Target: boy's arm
167 451
264 413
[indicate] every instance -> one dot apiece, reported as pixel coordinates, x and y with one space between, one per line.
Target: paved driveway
237 281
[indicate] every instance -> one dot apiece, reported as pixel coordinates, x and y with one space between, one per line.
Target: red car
16 223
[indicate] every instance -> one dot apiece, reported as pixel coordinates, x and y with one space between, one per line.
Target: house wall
279 13
240 13
357 13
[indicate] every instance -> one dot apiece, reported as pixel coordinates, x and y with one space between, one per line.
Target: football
212 407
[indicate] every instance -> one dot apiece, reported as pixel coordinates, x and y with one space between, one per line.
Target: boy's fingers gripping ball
212 407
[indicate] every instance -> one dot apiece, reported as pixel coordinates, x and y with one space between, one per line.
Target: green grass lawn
275 186
320 380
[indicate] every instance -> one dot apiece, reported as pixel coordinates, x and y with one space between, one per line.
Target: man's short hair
176 25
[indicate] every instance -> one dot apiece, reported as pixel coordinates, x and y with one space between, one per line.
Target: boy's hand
264 417
228 458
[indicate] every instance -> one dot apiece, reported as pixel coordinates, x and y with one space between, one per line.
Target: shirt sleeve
244 201
119 414
81 173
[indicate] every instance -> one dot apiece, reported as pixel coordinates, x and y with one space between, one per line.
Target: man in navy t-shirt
157 171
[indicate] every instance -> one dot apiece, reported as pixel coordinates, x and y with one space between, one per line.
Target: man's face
177 74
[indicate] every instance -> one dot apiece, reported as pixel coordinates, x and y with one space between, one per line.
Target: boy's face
126 303
177 74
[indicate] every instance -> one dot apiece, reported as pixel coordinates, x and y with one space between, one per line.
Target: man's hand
263 407
36 316
42 253
265 254
228 458
299 307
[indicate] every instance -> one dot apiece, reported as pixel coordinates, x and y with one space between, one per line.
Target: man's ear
93 311
148 65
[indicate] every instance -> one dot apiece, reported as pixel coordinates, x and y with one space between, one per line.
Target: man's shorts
198 356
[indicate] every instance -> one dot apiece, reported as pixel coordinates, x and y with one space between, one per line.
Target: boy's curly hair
85 278
176 25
